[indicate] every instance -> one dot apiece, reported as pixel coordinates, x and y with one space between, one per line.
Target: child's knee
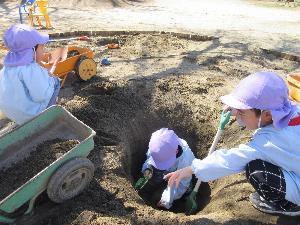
255 171
262 172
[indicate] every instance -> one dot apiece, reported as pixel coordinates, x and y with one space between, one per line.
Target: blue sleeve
146 163
172 193
224 162
39 84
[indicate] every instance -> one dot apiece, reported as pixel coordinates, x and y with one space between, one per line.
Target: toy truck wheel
86 68
70 179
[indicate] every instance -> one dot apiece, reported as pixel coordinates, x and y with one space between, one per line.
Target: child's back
26 89
167 152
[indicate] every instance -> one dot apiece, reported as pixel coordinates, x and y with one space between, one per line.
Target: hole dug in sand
136 147
155 104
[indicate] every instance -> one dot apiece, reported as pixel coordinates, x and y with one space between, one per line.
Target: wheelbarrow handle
54 65
81 38
52 69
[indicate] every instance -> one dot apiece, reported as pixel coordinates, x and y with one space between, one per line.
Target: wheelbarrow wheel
86 68
70 179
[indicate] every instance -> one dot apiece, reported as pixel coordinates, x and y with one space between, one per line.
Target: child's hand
147 173
160 205
178 175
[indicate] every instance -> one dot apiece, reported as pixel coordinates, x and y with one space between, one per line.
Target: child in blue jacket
26 88
271 159
167 152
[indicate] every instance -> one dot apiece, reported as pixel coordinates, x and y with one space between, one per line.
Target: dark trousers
153 190
268 180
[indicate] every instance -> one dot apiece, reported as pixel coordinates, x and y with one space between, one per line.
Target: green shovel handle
225 117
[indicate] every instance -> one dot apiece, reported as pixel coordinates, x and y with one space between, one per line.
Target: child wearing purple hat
167 153
26 88
271 159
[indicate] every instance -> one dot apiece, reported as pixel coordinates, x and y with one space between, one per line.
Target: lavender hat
162 147
20 39
264 91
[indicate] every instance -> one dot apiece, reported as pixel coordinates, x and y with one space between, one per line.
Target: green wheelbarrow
63 178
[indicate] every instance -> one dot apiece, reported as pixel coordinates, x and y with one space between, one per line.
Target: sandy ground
156 81
264 23
160 80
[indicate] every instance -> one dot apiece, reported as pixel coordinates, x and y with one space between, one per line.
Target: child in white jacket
167 153
26 88
271 159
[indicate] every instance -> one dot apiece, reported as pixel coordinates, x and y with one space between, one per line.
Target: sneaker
263 205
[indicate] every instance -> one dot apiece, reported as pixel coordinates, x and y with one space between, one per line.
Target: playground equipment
73 58
23 8
64 178
294 86
35 9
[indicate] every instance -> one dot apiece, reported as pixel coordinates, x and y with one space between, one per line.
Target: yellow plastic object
86 68
70 63
39 8
294 86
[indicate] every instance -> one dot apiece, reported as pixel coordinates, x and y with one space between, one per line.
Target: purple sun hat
20 39
162 147
264 91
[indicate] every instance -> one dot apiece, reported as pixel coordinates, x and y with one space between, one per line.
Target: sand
158 81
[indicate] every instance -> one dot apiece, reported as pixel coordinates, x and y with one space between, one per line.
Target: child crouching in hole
167 153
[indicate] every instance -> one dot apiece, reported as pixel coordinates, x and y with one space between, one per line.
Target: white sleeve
39 84
146 164
224 162
172 193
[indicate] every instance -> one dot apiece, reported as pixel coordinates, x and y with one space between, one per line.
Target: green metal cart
64 178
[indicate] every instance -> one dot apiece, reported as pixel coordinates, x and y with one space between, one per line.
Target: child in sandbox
26 88
166 153
271 159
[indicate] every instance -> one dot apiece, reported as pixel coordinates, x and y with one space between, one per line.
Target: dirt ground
158 81
267 23
20 172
